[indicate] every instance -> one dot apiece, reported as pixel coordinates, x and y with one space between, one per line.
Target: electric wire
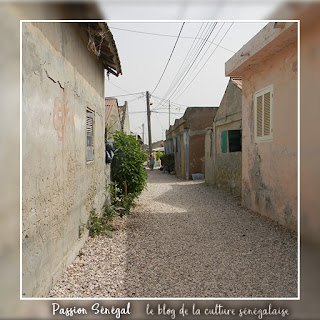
177 85
165 35
190 51
180 88
169 57
205 62
194 49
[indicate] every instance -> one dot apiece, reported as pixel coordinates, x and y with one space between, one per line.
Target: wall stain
62 116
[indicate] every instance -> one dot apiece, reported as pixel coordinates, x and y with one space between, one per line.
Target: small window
224 141
263 109
90 135
234 140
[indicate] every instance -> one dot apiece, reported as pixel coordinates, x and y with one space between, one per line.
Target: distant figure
151 161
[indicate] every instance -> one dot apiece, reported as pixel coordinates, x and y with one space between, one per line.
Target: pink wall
310 114
269 169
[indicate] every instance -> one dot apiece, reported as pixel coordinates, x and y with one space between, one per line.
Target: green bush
128 172
159 154
168 159
99 225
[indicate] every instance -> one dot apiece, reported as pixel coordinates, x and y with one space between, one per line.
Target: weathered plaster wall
269 169
209 147
113 122
196 152
60 79
310 114
227 166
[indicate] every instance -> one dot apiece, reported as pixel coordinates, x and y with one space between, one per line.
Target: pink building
268 67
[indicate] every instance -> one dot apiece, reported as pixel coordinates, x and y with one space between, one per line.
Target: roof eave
264 44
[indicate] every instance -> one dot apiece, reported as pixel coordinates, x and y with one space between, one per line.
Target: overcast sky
145 47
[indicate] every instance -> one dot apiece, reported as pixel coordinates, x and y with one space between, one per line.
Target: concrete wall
269 169
196 152
226 166
310 114
113 122
60 79
189 132
124 117
209 156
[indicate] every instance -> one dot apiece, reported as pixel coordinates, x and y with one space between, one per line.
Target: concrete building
223 142
112 117
186 139
308 13
63 154
268 67
124 118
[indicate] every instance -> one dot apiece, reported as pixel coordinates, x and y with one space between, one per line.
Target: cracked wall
224 169
60 80
269 169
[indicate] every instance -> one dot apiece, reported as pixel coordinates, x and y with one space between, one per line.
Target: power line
193 61
169 58
179 106
178 88
165 35
123 95
190 51
205 62
194 50
118 87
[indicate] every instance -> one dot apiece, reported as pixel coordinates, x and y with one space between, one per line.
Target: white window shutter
263 109
266 114
259 116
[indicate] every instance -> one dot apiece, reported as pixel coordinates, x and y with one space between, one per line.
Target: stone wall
60 80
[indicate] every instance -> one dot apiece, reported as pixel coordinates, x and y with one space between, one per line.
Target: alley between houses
185 239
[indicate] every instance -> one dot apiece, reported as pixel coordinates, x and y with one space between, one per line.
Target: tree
127 168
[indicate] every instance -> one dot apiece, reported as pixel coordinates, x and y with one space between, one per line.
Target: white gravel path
185 239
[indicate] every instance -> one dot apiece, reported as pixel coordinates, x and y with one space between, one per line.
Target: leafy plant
128 172
98 225
159 154
168 159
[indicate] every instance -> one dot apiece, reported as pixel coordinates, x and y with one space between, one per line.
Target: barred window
90 135
263 110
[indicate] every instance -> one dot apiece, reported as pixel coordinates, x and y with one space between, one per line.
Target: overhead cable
169 58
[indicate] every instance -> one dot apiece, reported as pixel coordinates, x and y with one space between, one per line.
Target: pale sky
145 47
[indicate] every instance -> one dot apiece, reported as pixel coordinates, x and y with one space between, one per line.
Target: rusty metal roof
102 44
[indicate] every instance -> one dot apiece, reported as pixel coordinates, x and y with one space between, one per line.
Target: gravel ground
185 239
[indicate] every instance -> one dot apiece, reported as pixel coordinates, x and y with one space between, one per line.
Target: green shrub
128 172
168 159
159 154
99 225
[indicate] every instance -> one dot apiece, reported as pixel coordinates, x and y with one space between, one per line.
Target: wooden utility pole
169 113
149 122
143 132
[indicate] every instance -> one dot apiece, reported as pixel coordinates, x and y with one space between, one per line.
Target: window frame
90 114
262 92
240 140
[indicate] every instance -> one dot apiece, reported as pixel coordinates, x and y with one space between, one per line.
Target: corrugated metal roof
102 44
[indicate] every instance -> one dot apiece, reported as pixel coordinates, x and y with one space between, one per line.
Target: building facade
268 67
63 153
186 139
223 162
